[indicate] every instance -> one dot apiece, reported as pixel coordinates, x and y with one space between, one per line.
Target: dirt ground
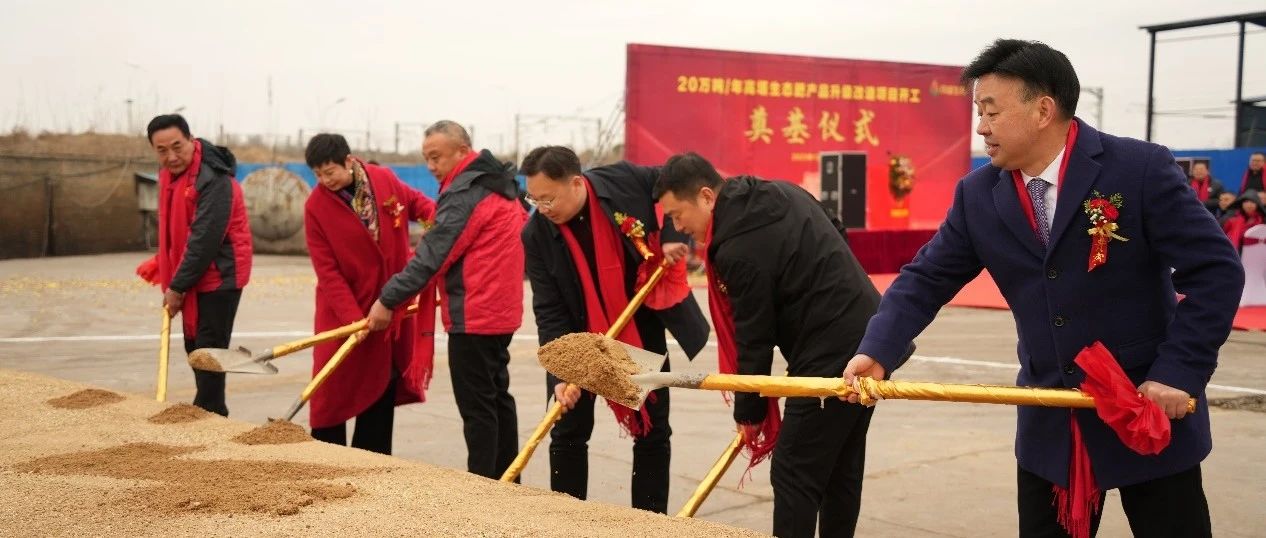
106 470
933 469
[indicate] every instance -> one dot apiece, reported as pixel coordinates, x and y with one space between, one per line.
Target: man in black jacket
780 274
204 244
1252 180
584 269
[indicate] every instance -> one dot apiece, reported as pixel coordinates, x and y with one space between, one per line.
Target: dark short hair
1250 155
326 148
167 121
558 163
1042 69
684 175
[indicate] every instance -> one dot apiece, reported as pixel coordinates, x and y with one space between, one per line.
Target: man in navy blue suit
1080 230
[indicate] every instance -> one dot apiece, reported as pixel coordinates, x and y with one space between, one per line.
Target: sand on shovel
594 362
179 413
202 360
276 432
85 398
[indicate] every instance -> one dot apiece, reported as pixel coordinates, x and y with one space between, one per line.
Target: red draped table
885 251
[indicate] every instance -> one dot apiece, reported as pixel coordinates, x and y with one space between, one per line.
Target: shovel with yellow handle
325 372
242 361
164 356
649 378
714 475
556 411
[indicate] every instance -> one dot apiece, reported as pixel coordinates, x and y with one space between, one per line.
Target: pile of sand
85 398
202 360
595 363
70 473
178 414
194 485
276 432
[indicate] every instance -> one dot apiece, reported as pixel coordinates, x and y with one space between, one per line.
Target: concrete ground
933 469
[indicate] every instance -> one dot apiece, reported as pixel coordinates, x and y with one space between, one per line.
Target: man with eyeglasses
584 267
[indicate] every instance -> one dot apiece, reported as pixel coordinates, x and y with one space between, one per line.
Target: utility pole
397 146
130 126
551 119
1151 77
1239 93
1096 91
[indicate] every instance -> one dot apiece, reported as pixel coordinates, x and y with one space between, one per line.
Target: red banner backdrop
770 115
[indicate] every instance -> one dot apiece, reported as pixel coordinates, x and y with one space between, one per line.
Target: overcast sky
71 65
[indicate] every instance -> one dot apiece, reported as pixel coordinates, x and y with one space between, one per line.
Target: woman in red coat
1245 213
357 228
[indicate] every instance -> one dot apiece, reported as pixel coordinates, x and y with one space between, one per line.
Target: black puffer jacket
791 280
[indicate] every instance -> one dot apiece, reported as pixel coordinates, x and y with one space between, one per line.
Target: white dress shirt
1050 175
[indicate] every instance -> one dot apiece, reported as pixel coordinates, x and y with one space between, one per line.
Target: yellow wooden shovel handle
326 336
331 365
164 355
714 475
556 411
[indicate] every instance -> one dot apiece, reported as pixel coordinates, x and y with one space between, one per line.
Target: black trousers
373 426
1173 505
216 312
479 365
569 452
817 467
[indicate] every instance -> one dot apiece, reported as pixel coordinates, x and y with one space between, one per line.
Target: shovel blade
239 361
648 362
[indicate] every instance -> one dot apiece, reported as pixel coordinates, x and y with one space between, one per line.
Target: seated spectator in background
1207 189
1222 210
1246 213
1253 176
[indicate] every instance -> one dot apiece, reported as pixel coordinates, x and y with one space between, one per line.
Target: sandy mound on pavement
108 471
179 414
193 485
85 398
276 432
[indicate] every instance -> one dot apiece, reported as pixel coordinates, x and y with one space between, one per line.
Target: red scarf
173 233
1201 186
605 301
1082 497
758 439
1139 423
418 375
461 167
